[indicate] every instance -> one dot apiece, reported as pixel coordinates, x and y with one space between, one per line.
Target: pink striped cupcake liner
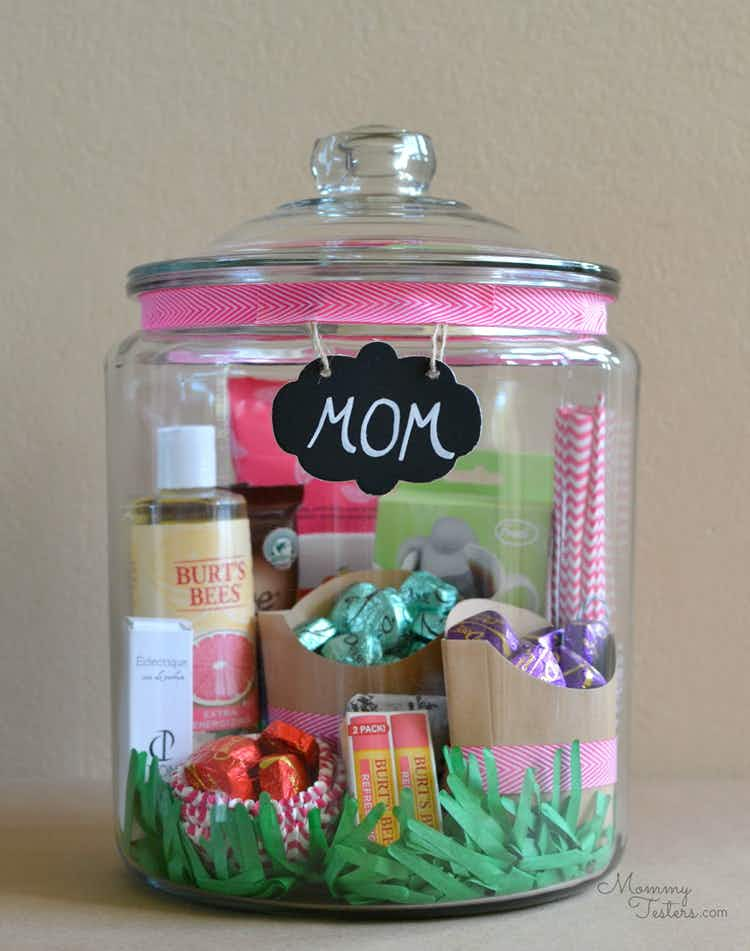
325 794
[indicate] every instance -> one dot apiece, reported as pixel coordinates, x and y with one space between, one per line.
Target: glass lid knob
373 160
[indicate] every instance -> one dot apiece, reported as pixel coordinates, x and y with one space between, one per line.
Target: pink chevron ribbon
318 724
374 302
598 764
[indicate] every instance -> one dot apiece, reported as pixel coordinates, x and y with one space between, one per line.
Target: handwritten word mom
414 418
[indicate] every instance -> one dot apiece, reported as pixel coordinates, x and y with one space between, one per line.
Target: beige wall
136 130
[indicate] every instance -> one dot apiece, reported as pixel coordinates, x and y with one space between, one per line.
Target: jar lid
373 220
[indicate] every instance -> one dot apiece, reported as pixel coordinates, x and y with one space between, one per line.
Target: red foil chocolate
280 737
225 764
282 776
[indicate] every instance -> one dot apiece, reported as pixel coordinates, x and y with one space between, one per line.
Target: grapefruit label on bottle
201 571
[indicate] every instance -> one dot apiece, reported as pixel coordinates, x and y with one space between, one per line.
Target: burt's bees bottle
190 559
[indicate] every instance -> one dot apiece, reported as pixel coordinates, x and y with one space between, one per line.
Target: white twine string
320 350
439 337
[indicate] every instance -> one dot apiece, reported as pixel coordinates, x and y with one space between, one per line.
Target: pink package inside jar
336 520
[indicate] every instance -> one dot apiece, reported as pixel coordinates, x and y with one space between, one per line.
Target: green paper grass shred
336 862
556 860
591 832
463 794
474 776
493 789
515 881
454 760
135 772
148 853
194 862
360 834
472 857
509 805
574 799
430 841
556 780
404 811
399 894
318 841
528 848
246 850
479 827
554 803
543 837
601 858
150 798
271 834
216 846
551 876
347 820
556 820
524 817
449 887
178 869
380 865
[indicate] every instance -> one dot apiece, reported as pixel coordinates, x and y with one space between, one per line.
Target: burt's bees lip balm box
415 763
366 745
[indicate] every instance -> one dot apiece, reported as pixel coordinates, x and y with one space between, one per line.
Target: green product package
484 527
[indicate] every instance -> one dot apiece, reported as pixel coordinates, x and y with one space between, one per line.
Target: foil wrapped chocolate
225 765
282 776
349 603
281 737
488 626
368 625
282 761
358 649
428 625
314 634
549 655
423 591
588 639
385 614
537 660
577 671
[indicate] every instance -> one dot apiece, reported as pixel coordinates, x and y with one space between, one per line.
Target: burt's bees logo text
215 582
417 776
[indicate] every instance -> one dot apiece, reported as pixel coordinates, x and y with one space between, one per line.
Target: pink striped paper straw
577 572
594 606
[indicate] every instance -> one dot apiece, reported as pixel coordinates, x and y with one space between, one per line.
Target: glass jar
371 508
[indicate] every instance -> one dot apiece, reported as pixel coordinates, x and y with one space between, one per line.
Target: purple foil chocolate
488 626
550 639
538 661
577 671
588 639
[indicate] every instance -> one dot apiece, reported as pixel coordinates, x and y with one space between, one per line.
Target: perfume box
159 688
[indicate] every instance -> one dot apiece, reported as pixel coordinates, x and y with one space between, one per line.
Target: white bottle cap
186 457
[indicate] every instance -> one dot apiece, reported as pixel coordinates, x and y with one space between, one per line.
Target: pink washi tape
326 725
598 764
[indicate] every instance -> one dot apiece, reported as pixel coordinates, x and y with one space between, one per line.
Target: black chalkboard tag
377 419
